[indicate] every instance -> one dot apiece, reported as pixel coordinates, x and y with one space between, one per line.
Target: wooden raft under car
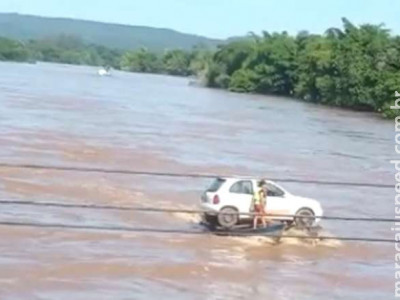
273 230
244 230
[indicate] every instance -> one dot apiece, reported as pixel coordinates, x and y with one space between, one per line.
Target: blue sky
219 18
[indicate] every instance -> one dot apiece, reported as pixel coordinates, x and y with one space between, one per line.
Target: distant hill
25 27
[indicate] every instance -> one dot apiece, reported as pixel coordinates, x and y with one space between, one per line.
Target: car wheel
228 217
303 218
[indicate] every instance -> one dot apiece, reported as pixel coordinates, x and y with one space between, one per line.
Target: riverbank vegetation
356 67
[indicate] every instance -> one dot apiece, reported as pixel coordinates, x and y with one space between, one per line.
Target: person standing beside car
259 204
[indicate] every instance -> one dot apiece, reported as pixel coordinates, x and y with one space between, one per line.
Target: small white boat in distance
104 71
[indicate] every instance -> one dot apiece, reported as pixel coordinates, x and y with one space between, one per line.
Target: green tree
141 61
273 59
315 69
13 50
244 81
176 62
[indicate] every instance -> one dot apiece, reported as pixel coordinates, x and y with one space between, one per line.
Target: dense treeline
72 50
62 49
173 62
353 67
357 67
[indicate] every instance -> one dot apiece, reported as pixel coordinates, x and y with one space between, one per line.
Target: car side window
242 187
274 191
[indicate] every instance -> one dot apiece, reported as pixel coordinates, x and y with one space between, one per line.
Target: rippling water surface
67 115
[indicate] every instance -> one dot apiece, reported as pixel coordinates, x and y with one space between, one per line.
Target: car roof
233 179
236 178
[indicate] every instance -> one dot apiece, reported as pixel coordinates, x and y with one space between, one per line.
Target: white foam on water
257 241
254 241
190 218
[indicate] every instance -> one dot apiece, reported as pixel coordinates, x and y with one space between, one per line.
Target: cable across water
181 231
185 175
187 211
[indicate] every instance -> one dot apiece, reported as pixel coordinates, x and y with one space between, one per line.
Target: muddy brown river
69 116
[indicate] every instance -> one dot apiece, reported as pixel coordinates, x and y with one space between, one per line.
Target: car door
276 201
241 194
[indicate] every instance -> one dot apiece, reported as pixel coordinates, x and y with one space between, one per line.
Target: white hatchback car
233 197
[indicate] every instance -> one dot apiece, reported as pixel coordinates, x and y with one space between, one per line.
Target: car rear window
217 183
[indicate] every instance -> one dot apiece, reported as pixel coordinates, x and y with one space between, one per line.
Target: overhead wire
180 210
185 175
189 232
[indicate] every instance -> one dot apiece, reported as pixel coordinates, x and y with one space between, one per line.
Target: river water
67 115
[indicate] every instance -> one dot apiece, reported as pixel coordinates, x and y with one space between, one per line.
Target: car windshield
216 185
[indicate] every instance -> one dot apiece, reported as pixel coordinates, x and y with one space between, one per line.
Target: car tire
301 222
228 217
